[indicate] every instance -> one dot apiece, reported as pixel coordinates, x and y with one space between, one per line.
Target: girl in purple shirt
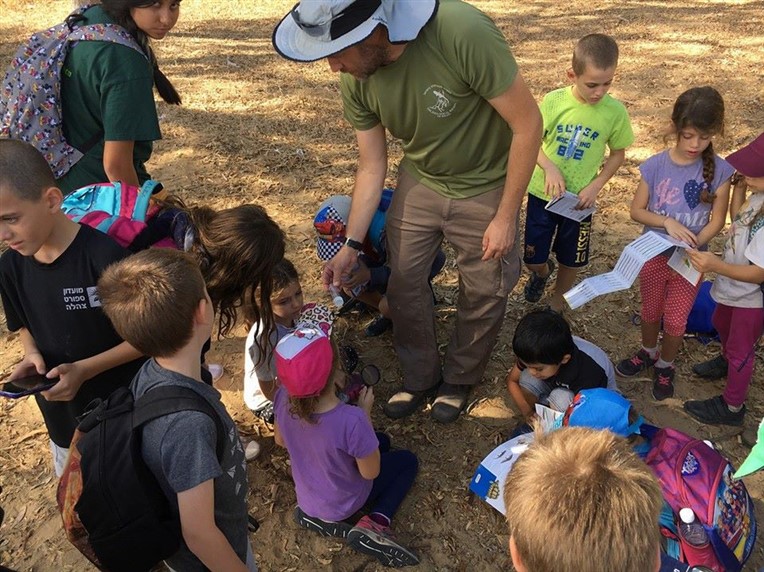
683 192
339 464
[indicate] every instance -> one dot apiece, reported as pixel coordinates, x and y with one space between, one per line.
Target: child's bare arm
202 536
718 214
73 375
277 435
268 387
738 197
588 194
516 393
639 213
369 465
554 182
32 362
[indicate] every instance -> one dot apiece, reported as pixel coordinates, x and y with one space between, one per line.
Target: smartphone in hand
27 386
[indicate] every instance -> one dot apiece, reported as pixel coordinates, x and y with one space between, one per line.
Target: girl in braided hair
107 100
683 192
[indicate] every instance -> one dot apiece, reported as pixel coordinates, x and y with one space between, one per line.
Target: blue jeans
396 475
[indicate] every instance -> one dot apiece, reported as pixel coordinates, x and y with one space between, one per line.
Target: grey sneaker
663 382
338 529
404 403
630 367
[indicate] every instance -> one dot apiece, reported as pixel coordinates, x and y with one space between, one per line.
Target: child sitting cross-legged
553 365
339 464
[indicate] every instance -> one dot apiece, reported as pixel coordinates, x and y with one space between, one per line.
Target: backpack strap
162 401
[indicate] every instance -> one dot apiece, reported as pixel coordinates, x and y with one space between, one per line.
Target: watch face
700 569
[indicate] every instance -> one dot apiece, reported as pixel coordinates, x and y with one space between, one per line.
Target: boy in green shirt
579 122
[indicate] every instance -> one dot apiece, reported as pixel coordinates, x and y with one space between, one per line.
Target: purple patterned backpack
30 95
693 474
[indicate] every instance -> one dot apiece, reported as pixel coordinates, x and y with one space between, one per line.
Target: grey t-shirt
179 449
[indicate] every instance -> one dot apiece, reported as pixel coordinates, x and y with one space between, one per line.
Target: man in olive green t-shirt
440 77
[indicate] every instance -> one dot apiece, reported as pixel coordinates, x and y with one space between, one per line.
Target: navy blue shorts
571 238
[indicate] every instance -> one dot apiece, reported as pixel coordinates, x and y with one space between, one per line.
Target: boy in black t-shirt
48 280
553 365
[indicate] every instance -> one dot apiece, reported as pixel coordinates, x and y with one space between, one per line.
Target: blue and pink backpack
693 474
122 211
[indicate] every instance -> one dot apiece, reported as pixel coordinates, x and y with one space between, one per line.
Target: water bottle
337 298
697 548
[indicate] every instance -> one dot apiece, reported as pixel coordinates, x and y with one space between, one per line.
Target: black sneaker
635 364
374 539
714 411
715 368
378 326
338 529
663 382
534 288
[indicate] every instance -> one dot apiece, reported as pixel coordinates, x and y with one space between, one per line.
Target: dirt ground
255 128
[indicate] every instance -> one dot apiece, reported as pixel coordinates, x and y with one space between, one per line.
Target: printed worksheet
566 204
626 270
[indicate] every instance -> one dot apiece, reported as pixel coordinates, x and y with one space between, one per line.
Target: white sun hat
316 29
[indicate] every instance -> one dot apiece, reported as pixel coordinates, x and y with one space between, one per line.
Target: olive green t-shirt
106 88
433 98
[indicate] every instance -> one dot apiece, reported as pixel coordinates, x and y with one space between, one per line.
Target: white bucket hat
316 29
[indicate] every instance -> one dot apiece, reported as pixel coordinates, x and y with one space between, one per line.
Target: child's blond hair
581 499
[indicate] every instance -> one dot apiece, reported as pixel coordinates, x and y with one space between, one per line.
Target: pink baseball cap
304 361
749 161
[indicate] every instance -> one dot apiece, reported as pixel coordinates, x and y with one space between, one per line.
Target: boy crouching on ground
157 300
553 365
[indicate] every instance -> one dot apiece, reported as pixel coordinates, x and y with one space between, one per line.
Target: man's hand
31 364
498 238
588 196
703 261
360 275
72 376
554 182
339 267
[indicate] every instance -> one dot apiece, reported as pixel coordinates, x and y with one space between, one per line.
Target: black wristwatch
354 244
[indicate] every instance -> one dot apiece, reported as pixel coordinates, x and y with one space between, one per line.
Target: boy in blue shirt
580 121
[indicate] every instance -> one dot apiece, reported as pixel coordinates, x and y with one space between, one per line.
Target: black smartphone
27 386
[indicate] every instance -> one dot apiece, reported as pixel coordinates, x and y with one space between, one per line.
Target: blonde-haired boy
581 499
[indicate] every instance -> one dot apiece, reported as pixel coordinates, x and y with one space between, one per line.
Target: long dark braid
709 169
119 11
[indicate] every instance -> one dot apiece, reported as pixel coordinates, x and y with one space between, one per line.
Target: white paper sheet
626 270
565 205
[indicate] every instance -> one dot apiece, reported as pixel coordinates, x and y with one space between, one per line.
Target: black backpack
113 508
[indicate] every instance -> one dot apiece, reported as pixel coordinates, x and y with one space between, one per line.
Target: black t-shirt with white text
59 306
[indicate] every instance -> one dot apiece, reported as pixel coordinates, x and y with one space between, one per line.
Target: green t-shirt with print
576 135
106 88
433 98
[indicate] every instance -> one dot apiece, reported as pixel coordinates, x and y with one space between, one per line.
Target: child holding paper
581 122
739 314
683 192
553 365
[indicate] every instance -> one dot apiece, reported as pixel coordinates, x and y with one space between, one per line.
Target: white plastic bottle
697 548
690 529
336 296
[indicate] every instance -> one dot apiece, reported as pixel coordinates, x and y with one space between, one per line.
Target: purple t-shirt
675 189
323 457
